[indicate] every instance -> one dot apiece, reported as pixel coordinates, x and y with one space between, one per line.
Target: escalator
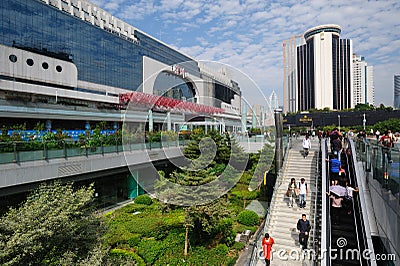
345 237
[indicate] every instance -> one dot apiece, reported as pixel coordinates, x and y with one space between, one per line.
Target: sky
248 34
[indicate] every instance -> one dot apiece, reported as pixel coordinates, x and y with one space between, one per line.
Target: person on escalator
348 199
336 210
335 168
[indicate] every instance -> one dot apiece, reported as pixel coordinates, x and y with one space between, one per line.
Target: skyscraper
396 92
324 71
363 81
289 73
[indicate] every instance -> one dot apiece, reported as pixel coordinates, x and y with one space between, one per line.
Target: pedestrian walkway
283 219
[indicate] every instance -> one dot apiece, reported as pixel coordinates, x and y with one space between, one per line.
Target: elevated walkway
282 220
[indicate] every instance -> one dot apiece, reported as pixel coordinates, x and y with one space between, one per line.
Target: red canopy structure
164 103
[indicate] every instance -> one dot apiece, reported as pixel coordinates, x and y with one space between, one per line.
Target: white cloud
248 34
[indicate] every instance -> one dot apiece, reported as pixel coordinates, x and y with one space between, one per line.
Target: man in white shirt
302 193
306 145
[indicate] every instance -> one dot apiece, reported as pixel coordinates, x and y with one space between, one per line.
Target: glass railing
384 163
23 151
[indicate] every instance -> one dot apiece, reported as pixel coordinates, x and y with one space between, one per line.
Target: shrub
134 240
238 246
143 199
222 249
120 253
151 250
248 217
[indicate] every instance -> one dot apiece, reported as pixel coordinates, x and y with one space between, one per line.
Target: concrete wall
37 171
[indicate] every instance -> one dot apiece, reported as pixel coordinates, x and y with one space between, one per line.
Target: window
58 68
45 65
29 61
13 58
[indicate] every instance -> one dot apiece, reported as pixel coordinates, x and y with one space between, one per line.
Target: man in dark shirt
303 228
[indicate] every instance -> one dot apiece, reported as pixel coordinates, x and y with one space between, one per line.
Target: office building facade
324 71
396 84
78 54
363 81
290 73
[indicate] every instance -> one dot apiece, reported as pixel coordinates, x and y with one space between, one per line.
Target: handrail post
15 152
44 151
65 149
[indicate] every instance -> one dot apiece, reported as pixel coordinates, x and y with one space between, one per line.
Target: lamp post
339 121
364 121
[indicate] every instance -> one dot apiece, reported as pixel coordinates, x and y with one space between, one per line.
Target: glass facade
305 74
100 56
172 86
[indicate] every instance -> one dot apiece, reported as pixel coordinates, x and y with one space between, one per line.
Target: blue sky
248 34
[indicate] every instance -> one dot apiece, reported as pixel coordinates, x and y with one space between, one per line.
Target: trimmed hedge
121 253
143 199
248 217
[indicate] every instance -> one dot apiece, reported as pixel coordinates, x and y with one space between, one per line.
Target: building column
244 118
151 120
253 119
48 125
278 139
168 121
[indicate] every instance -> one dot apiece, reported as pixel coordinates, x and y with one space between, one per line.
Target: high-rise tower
363 81
396 92
324 70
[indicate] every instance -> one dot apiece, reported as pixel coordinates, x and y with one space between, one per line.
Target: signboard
305 119
179 71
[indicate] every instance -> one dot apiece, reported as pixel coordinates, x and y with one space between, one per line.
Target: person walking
267 243
303 190
292 192
303 229
386 142
306 146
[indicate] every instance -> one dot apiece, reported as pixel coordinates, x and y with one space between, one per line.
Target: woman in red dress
267 243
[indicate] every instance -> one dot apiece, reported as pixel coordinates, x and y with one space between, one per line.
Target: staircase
283 219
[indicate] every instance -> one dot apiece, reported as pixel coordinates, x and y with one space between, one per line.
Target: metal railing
359 212
23 151
374 158
326 219
316 225
254 255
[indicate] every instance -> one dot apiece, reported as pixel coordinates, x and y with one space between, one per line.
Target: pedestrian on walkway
306 146
303 229
292 192
387 143
267 243
303 190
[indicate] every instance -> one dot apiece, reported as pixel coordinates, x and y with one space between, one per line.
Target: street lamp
339 121
364 121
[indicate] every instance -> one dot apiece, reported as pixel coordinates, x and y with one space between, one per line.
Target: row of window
13 58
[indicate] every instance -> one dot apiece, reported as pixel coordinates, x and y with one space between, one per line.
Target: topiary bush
143 199
248 217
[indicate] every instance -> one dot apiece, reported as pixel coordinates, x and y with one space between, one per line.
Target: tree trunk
186 241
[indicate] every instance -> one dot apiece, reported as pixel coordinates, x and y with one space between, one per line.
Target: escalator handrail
361 202
325 228
353 183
